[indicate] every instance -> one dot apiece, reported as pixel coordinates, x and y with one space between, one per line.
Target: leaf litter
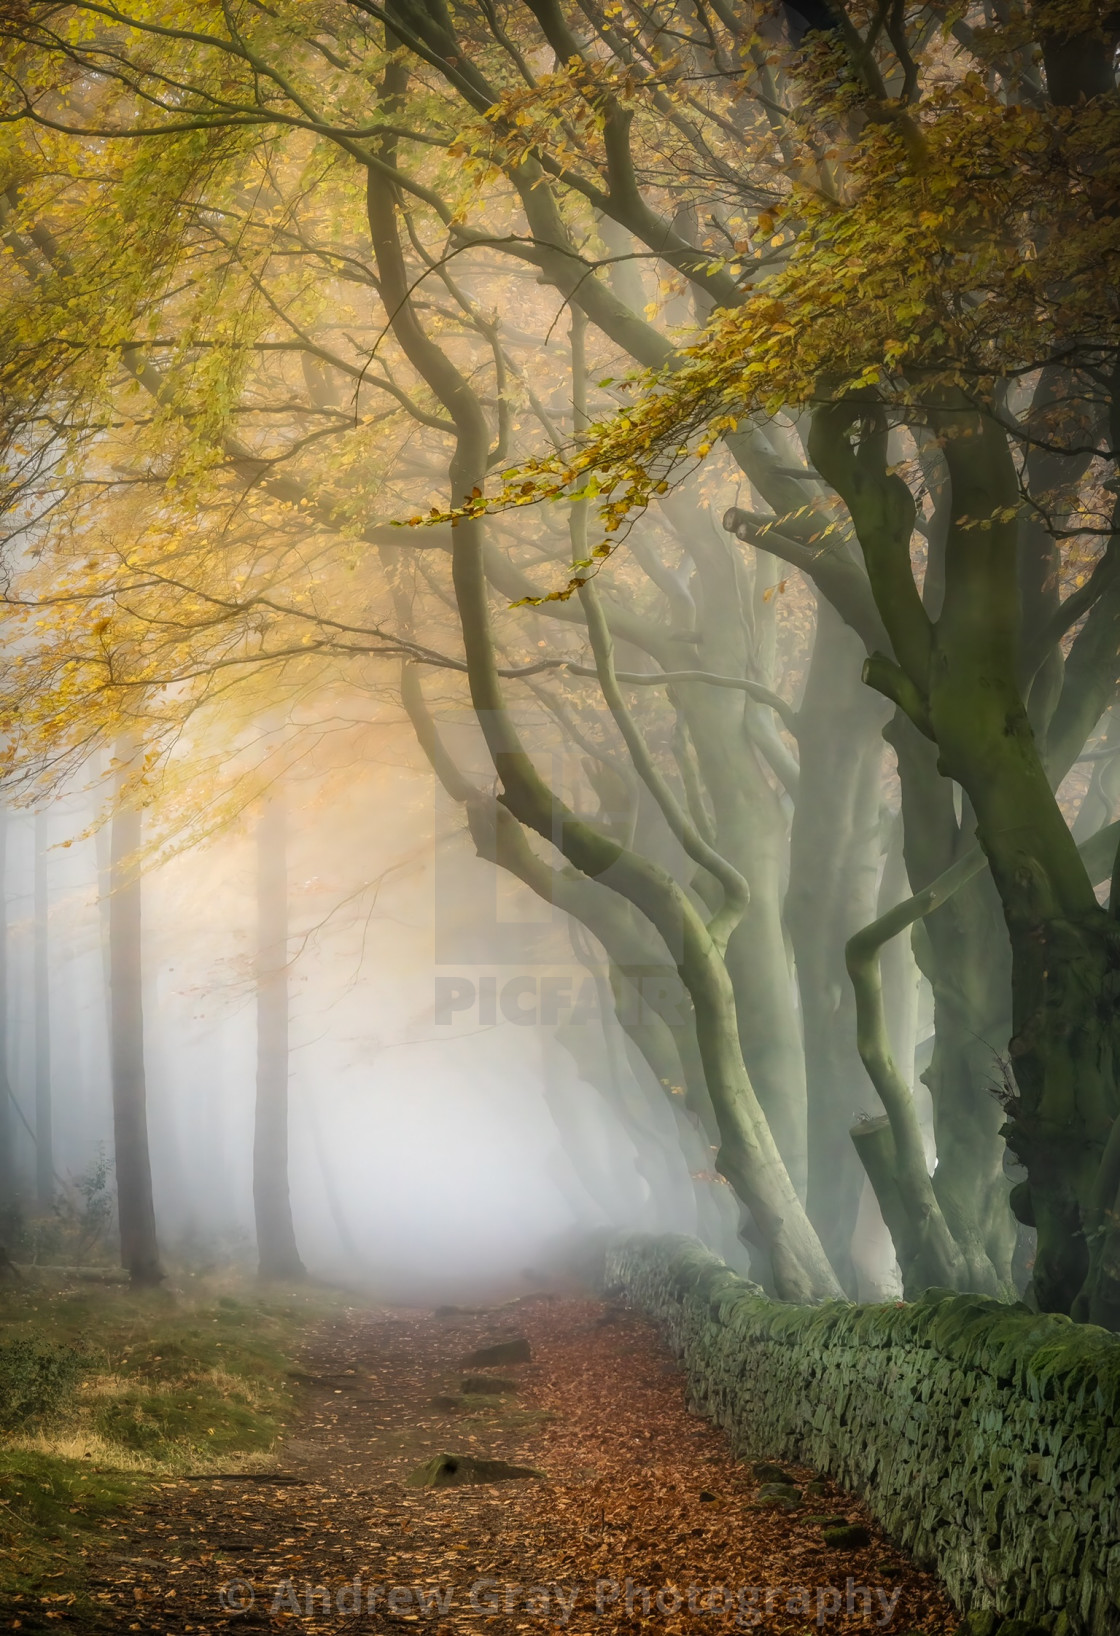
645 1521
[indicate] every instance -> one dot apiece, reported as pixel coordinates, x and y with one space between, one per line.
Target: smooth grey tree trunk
835 854
44 1118
277 1254
135 1205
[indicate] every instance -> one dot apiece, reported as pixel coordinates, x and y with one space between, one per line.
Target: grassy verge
170 1381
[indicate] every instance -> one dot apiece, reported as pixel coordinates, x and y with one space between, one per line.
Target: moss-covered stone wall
985 1438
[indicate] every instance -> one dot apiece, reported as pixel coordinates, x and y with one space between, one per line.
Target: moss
767 1472
850 1536
982 1434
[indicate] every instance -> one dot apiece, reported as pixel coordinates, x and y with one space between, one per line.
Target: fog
448 1129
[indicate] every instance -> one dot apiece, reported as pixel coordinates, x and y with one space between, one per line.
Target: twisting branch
735 888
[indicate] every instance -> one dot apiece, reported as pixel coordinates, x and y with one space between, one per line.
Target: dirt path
642 1518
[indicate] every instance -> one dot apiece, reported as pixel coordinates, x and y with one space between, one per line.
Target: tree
44 1135
9 1175
747 1139
899 307
135 1207
720 1039
277 1254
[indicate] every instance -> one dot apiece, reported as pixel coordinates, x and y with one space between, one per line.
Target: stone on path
767 1472
851 1537
772 1495
491 1357
448 1470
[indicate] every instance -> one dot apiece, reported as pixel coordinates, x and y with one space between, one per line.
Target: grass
52 1507
172 1381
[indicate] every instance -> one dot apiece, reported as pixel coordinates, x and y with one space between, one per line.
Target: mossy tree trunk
963 950
748 824
958 678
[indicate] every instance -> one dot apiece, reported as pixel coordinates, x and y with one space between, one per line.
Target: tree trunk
834 863
751 828
963 951
9 1173
958 679
1065 949
44 1133
277 1254
135 1207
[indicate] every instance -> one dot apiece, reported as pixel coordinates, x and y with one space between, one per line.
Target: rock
980 1622
449 1470
706 1496
828 1522
777 1497
489 1357
818 1489
851 1537
767 1472
446 1404
486 1384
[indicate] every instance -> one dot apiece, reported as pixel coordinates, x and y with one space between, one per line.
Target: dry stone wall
985 1438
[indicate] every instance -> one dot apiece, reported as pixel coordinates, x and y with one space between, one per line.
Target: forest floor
642 1521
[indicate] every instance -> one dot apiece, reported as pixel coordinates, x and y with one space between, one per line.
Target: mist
451 1120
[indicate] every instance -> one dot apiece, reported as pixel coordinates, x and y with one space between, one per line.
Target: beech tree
749 220
899 308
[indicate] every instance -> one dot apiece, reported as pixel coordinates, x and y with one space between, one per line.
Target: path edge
984 1437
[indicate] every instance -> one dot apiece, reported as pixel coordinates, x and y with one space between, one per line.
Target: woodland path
637 1488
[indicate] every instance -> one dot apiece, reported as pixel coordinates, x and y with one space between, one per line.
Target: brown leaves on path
650 1500
645 1521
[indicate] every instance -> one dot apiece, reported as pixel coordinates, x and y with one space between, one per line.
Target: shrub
35 1380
